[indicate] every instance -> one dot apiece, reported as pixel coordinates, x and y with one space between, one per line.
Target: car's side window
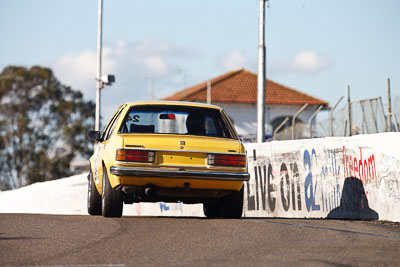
227 131
110 126
113 126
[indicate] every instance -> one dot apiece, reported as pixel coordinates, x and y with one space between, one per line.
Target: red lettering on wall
364 169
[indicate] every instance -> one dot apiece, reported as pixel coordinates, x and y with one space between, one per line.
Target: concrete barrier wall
341 177
348 177
351 177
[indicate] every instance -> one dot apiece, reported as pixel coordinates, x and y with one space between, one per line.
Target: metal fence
395 119
366 116
345 118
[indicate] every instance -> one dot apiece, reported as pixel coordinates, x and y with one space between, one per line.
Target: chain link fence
396 113
367 116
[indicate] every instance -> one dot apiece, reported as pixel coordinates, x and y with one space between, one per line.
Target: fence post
349 108
396 124
295 116
312 117
364 123
389 108
279 127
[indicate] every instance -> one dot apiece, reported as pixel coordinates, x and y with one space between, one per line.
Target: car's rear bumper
159 173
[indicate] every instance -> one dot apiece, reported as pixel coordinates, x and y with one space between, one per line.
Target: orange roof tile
241 87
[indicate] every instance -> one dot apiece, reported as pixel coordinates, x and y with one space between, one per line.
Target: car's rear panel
169 146
182 153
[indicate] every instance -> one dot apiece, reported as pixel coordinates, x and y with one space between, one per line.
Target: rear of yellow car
175 152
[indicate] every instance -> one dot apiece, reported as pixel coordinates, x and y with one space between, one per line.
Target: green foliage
43 126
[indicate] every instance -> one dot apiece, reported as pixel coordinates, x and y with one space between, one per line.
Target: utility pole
101 81
349 110
389 108
261 83
98 79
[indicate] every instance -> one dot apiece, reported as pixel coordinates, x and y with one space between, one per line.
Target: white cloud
157 65
310 62
77 70
304 62
233 61
131 63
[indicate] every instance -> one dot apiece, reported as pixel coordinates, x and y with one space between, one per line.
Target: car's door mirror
94 135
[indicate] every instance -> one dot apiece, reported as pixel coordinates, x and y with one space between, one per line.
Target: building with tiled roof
236 92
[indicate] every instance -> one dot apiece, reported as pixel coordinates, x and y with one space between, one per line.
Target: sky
316 47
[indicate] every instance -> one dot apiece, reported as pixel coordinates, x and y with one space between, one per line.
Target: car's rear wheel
93 198
212 210
112 202
232 205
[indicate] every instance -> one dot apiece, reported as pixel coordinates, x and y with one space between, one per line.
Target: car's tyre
93 197
232 205
111 199
212 210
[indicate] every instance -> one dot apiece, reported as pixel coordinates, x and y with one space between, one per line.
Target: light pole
98 81
261 84
101 81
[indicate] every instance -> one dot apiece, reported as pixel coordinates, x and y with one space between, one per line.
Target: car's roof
173 103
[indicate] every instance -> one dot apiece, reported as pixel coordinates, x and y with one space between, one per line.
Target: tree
43 126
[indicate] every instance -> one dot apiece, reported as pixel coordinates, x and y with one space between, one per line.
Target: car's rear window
162 119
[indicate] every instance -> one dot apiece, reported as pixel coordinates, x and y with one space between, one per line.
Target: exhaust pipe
150 191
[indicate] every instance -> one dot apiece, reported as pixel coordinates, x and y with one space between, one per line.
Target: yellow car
171 152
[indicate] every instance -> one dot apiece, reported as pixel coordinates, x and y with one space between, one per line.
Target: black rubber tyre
212 210
111 200
93 198
232 205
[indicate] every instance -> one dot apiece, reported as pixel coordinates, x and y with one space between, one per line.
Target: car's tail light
135 155
227 160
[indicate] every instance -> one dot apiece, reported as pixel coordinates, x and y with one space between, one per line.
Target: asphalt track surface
51 240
